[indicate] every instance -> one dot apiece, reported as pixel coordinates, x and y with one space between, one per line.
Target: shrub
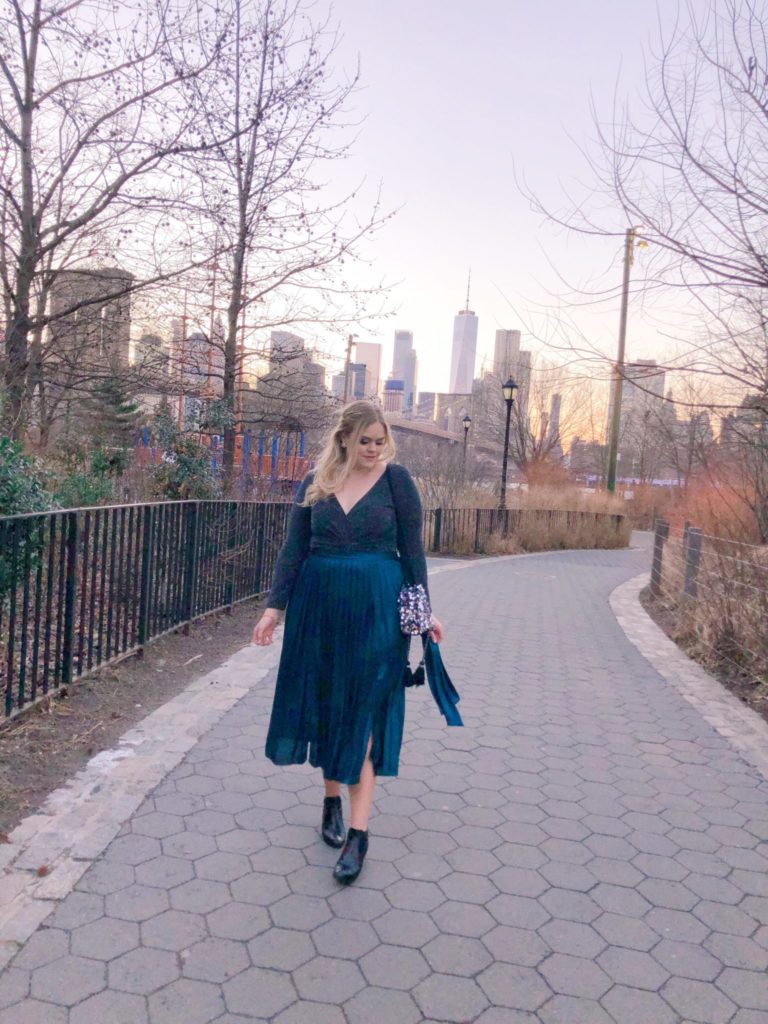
80 489
185 472
22 490
22 481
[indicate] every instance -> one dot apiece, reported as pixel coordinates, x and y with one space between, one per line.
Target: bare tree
687 163
551 407
284 242
94 116
448 476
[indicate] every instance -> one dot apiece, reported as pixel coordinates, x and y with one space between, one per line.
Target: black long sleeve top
387 519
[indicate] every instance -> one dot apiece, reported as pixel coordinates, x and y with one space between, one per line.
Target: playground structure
280 458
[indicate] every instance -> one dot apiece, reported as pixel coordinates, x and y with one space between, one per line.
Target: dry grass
720 508
540 534
571 499
724 625
486 531
561 497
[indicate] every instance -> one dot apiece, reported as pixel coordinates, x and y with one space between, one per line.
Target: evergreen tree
112 412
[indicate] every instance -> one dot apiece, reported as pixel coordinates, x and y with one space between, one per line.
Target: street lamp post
508 390
466 423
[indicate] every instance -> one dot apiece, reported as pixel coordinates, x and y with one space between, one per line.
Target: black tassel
414 678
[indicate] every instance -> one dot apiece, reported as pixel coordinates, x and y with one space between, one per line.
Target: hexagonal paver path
586 849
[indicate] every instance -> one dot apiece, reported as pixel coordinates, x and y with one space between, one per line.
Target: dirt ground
754 696
44 747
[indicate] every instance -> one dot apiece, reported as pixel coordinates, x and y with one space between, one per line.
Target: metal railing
84 587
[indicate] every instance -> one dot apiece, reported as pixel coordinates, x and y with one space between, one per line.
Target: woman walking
354 539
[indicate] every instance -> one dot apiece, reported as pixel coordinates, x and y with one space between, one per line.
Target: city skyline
458 194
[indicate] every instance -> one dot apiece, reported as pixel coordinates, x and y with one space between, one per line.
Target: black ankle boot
332 829
350 863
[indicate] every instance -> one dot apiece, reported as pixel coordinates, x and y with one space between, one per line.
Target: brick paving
586 850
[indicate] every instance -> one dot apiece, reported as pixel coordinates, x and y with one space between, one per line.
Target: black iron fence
84 587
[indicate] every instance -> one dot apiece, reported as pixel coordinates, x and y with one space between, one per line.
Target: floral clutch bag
415 612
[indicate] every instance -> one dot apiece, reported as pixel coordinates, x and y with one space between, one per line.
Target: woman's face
370 447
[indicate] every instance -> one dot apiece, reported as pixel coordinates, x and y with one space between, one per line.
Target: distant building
553 434
314 371
523 381
405 368
642 390
197 360
506 352
463 352
368 354
450 410
394 393
286 351
151 356
90 314
425 405
646 421
356 386
748 422
586 459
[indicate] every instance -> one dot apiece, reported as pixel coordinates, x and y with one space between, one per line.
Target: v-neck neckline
361 498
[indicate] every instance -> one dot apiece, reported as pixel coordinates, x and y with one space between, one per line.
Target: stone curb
744 729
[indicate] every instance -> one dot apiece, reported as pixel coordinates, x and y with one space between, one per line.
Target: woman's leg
332 788
361 794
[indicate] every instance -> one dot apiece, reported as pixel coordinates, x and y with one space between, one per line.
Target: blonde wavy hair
334 464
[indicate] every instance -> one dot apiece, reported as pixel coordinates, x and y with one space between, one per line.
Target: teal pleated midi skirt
340 680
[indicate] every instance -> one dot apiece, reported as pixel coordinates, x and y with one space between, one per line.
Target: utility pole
212 327
241 357
347 361
182 368
618 366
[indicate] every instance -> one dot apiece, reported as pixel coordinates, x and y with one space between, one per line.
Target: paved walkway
587 850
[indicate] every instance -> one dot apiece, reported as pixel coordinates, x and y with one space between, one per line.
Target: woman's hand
263 631
437 632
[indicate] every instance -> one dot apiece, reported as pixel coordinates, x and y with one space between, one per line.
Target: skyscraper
91 317
355 384
405 367
286 351
369 354
393 396
553 436
523 381
463 350
642 392
403 345
506 350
